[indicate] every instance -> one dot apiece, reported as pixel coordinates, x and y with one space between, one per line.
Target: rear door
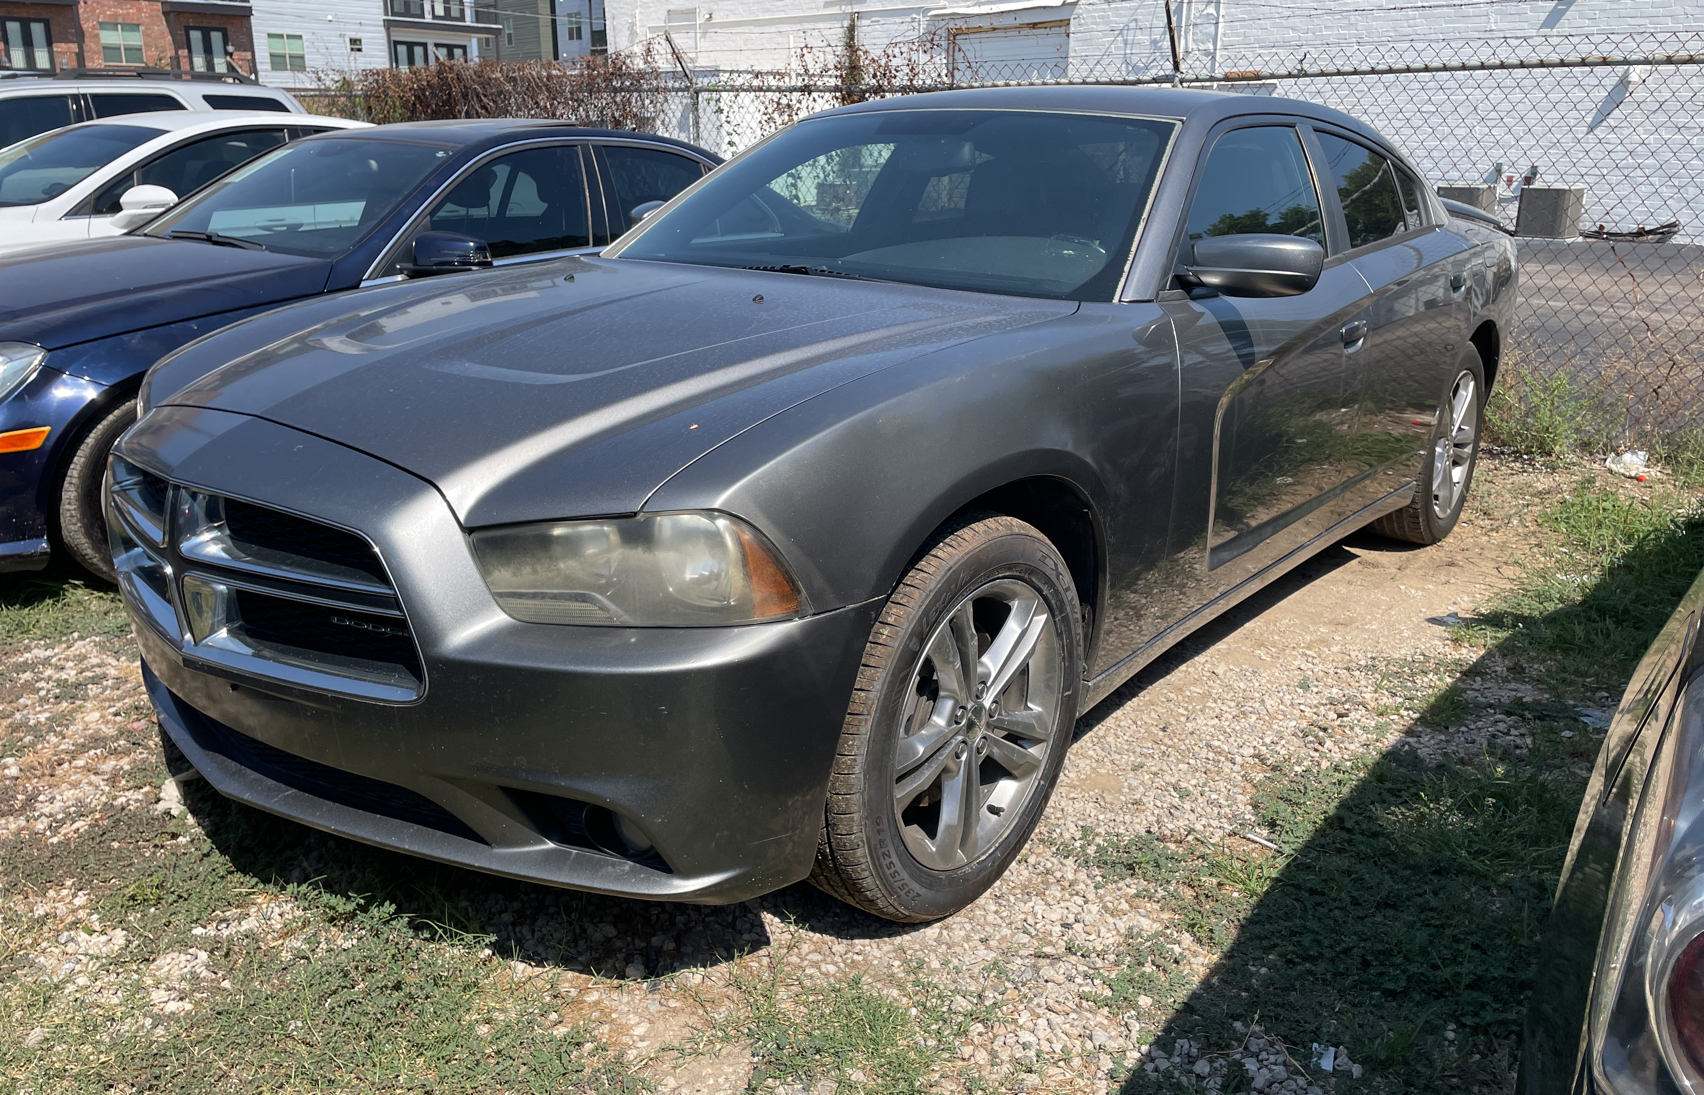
636 174
1268 407
1410 328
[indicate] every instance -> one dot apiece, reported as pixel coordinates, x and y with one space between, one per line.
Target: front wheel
1450 458
957 727
80 519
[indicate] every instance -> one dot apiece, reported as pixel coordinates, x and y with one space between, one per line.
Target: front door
1268 406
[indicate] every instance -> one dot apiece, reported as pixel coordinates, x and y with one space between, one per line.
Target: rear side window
1255 181
189 168
1366 189
48 165
641 175
108 105
243 102
1413 210
25 116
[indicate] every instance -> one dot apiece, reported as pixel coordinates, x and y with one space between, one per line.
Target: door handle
1354 332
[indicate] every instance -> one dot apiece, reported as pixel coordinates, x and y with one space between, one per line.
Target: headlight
18 362
666 570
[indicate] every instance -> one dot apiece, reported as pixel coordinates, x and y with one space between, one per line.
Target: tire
892 841
1451 455
82 528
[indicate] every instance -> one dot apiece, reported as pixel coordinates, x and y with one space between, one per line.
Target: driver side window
530 202
1255 180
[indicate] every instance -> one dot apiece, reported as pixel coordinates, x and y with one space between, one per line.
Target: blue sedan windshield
1024 202
45 167
317 198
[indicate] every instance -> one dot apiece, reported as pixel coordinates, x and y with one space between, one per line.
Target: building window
209 50
408 9
508 32
25 43
410 54
354 45
449 9
572 27
288 53
445 51
600 37
121 43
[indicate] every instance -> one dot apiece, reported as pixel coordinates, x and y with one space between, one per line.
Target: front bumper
58 401
716 743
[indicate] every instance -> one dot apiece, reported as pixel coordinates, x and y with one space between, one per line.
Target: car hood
62 293
575 388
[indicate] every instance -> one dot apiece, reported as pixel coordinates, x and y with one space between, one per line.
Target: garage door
1025 51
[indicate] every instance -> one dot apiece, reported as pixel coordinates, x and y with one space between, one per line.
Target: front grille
255 589
317 629
373 796
286 534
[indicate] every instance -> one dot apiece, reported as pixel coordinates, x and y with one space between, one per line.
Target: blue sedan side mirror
446 253
1255 265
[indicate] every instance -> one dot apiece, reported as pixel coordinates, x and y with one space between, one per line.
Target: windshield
1027 203
44 167
317 198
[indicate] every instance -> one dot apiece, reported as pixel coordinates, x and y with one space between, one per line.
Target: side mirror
1256 265
644 209
446 253
141 204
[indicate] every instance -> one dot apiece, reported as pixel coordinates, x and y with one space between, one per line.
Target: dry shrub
610 91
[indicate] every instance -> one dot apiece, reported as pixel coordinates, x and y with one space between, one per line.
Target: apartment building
199 35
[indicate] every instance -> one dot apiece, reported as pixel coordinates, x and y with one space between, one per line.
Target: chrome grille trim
185 573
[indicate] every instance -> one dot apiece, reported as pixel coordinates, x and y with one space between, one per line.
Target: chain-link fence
1609 332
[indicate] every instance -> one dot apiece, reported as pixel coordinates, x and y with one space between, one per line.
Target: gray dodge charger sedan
788 538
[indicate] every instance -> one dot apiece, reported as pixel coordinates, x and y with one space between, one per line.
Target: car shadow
1398 916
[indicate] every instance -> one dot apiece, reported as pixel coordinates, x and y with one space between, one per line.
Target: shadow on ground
1399 916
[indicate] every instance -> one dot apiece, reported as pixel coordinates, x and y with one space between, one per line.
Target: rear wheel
958 725
1450 459
82 523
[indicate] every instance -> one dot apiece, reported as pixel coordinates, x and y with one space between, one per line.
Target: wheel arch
1488 340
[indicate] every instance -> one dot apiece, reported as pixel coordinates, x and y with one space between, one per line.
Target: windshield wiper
215 237
810 271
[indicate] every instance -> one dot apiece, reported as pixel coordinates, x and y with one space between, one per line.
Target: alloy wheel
1452 455
978 725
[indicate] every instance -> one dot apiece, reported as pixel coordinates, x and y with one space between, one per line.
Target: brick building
198 35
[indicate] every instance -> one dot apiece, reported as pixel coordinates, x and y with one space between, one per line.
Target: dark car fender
850 484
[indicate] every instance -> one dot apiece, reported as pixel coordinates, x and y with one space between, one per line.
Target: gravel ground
1300 676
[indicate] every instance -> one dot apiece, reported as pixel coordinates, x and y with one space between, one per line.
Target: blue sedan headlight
18 363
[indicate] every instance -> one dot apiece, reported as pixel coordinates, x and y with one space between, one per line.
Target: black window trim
85 209
1432 220
387 254
52 61
1329 213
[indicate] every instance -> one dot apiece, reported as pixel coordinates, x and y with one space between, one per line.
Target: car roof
40 83
1182 104
178 121
472 131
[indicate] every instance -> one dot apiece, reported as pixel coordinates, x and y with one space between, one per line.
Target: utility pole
686 74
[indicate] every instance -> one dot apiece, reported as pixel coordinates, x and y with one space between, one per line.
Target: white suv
31 104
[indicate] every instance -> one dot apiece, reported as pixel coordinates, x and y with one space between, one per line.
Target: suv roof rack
232 77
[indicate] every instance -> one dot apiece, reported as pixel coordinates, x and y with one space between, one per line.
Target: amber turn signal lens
772 592
1686 1002
24 440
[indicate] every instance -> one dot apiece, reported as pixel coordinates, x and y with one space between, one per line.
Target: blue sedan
81 323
